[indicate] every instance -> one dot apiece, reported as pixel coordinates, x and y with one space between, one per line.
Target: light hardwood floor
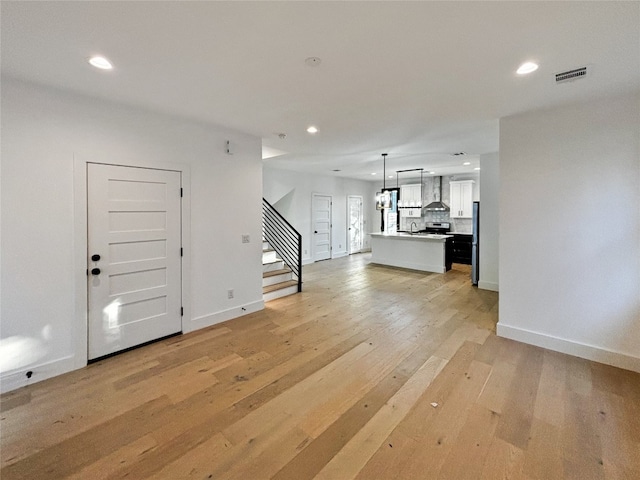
370 373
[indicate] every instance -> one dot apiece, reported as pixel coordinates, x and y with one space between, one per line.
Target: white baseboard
222 316
339 254
18 378
590 352
488 286
307 261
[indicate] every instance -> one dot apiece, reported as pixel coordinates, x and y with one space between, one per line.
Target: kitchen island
418 251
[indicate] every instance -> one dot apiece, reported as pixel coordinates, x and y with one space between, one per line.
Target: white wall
291 193
43 132
570 229
489 220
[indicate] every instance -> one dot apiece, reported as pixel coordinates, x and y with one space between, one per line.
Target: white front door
134 256
321 227
355 226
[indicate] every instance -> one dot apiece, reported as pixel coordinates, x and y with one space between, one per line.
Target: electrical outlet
230 294
339 246
245 238
305 252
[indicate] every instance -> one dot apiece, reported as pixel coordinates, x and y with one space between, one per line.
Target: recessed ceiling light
373 173
432 173
527 67
312 129
101 63
466 163
477 168
390 176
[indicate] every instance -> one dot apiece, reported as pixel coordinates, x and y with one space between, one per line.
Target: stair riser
268 257
280 293
270 267
266 281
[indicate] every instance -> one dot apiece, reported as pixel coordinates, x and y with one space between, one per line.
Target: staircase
277 278
281 255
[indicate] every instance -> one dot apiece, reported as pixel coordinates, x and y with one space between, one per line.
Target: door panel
355 226
134 225
321 227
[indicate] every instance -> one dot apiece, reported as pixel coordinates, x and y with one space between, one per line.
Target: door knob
95 271
95 257
315 231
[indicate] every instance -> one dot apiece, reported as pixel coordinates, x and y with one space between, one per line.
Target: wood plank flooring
371 373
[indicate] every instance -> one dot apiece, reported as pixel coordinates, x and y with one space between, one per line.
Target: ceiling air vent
571 75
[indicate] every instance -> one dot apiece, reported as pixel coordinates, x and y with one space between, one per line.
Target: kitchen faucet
411 227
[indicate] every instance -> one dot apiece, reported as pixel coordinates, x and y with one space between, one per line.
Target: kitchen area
428 223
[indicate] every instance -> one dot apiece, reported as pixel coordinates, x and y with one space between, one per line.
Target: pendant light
383 200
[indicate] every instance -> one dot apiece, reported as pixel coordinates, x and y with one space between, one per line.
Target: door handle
95 257
95 271
315 231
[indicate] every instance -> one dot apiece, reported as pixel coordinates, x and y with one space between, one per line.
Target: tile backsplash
430 193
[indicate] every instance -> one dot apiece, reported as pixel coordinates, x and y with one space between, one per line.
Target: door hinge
181 192
87 272
182 311
181 252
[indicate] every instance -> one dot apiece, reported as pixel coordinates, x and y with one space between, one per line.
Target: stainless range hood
437 205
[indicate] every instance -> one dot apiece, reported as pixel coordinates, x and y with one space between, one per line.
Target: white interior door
355 226
134 257
321 227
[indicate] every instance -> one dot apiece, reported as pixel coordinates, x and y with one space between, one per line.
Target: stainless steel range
437 227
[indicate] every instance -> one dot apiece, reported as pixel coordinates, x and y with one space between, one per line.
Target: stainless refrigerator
475 244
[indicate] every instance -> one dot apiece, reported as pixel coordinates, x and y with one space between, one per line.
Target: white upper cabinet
461 199
410 204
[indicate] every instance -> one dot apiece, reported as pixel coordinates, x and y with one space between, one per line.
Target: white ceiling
416 80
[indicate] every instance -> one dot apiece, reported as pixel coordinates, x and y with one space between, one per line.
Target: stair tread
276 272
279 286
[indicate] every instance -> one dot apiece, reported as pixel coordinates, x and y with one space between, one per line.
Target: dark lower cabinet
461 248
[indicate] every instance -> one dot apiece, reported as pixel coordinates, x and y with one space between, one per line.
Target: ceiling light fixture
466 163
101 63
373 173
477 168
527 67
312 129
432 173
383 199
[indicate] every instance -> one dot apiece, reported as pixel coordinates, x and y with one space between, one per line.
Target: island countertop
413 236
419 251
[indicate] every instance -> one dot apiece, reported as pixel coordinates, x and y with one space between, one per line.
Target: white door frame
313 224
359 197
81 325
